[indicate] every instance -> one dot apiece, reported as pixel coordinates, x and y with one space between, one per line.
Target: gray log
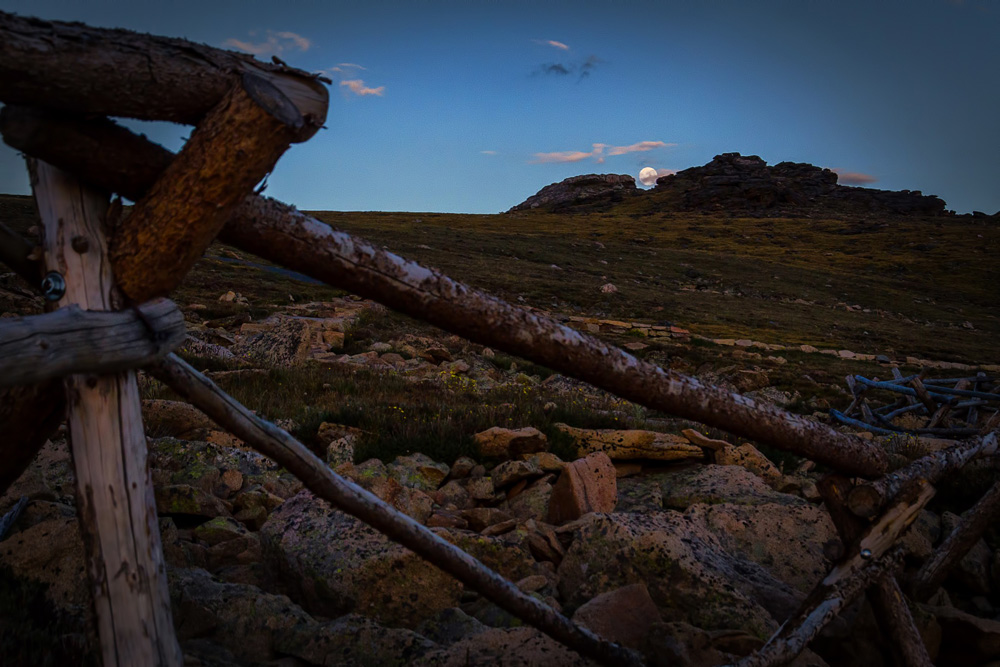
71 340
866 500
343 494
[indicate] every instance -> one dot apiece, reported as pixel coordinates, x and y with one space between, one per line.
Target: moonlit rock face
648 176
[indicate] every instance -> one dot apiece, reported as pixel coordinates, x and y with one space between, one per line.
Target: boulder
505 443
715 484
511 472
689 574
418 471
624 615
585 485
239 617
747 456
175 419
510 647
333 564
354 640
282 341
51 552
183 499
785 538
632 444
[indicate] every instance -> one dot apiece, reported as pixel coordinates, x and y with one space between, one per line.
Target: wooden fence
104 276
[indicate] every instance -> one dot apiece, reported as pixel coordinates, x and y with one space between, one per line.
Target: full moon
648 176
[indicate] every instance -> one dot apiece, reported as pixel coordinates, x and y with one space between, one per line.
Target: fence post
115 503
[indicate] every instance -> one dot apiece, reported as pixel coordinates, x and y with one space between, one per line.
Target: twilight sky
473 106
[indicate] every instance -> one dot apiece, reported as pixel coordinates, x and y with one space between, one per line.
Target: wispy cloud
488 152
350 82
553 43
853 177
276 43
598 152
567 156
582 69
637 147
358 87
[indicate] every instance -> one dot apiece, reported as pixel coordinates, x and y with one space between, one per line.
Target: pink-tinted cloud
358 87
637 148
598 153
569 156
853 177
665 172
553 43
277 42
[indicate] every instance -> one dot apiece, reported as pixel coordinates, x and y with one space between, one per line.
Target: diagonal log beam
343 494
71 340
281 234
968 531
232 149
867 499
868 560
76 68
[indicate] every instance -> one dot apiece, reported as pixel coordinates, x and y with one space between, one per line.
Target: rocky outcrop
745 184
737 185
592 191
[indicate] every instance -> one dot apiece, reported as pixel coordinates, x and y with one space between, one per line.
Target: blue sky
473 106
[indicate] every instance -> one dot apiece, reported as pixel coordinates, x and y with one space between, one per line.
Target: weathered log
76 68
70 340
965 535
937 394
279 233
822 606
866 561
29 415
228 153
344 494
893 615
867 499
114 500
924 396
14 252
942 412
891 612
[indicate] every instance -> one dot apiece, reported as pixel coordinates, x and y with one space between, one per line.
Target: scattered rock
498 442
510 472
585 485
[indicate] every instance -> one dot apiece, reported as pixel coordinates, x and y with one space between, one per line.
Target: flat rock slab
624 445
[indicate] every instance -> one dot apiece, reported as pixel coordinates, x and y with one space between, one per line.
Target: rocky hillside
737 185
592 191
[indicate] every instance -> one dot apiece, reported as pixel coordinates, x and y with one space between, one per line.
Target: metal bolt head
53 286
866 553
